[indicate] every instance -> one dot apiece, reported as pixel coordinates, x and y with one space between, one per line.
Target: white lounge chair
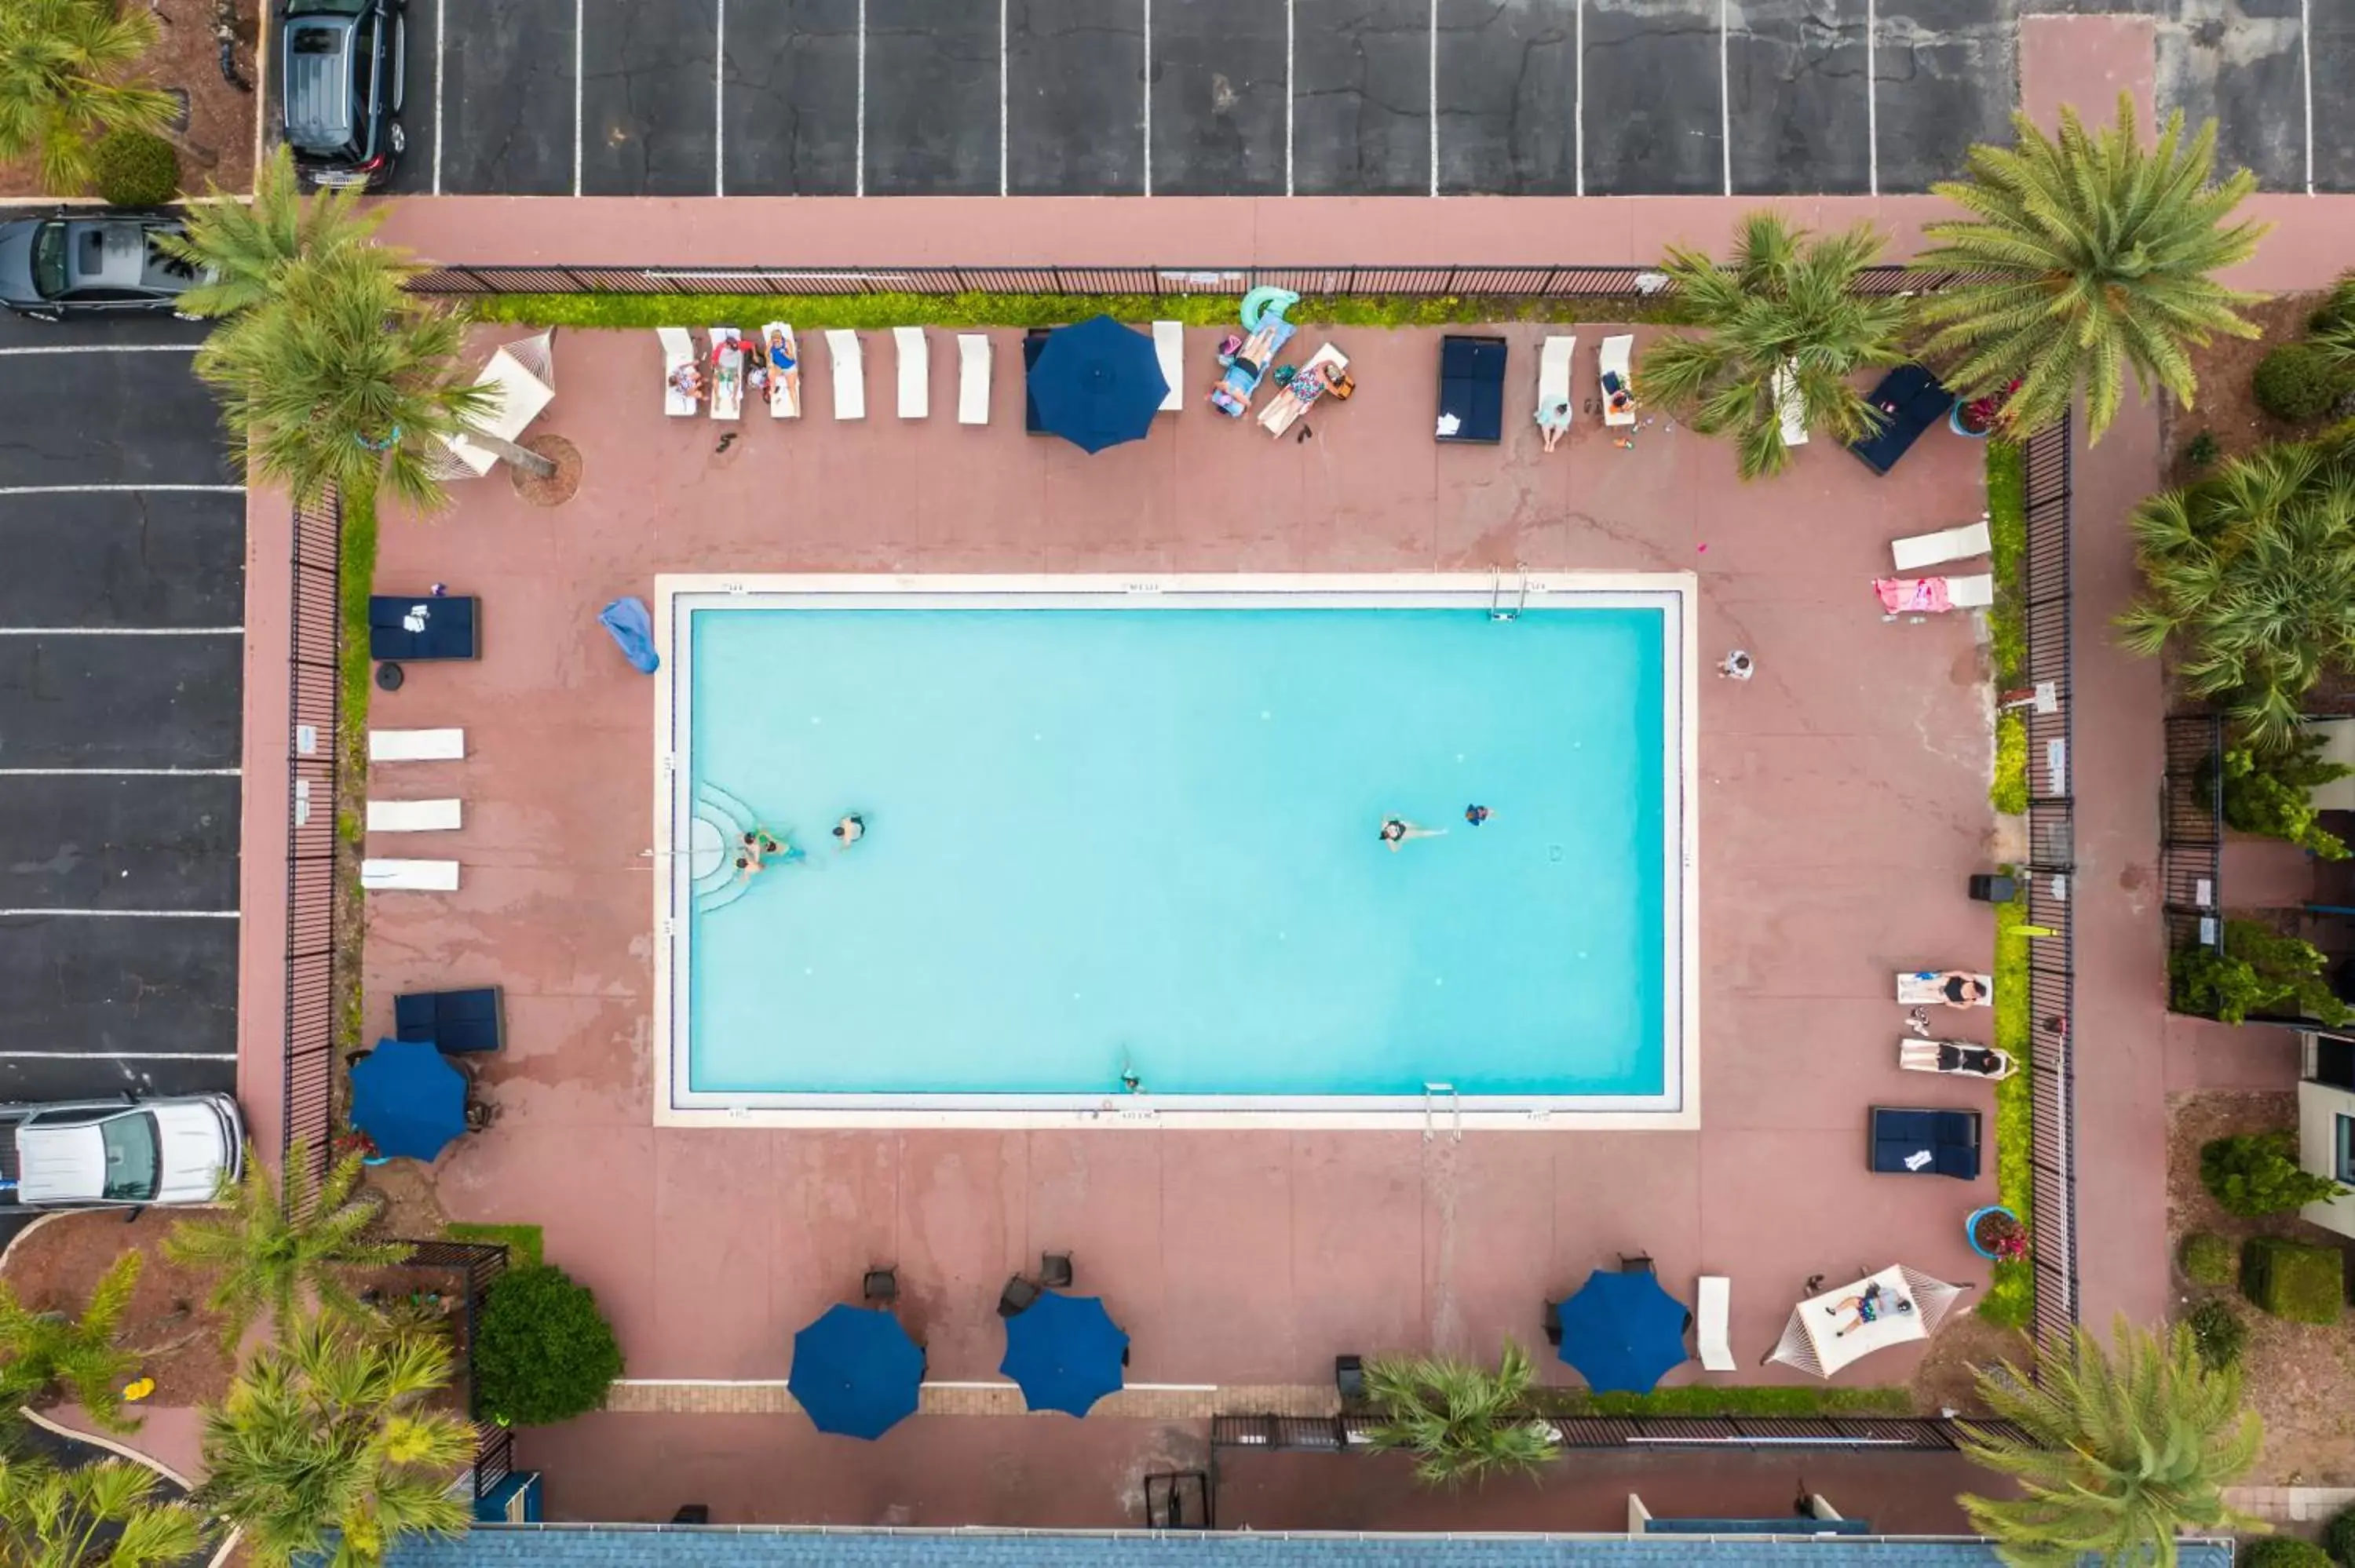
1789 407
413 816
915 372
973 378
849 374
1554 362
410 875
416 745
1911 554
679 348
1932 595
1169 346
1614 365
727 374
1712 1306
785 387
1288 405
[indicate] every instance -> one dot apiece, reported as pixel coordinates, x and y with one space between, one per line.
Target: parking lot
121 681
1304 97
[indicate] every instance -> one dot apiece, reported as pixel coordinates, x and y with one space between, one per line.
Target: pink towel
1913 595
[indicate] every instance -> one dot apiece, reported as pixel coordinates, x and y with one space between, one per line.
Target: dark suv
343 62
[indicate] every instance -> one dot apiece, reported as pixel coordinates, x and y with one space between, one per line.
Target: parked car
343 65
107 262
72 1154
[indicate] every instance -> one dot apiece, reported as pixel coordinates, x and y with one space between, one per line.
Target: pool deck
1841 800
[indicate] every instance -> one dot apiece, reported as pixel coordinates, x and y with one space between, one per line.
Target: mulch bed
53 1266
2227 408
220 118
558 487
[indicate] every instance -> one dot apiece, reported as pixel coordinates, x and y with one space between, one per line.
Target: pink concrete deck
1841 803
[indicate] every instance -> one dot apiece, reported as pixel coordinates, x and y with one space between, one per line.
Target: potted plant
1977 417
1996 1234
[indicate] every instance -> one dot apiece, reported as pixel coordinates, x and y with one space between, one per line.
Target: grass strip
2007 495
1713 1399
2010 1299
522 1242
817 313
354 575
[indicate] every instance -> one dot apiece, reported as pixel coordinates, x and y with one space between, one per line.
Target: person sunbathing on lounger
1960 989
1553 419
782 365
688 381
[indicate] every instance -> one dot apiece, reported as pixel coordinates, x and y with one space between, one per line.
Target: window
130 1158
49 259
2343 1151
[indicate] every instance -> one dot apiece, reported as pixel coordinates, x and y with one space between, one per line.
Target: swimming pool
1122 855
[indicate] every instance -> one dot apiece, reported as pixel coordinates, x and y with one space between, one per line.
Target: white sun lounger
1553 379
1712 1306
785 390
1919 987
1169 346
410 875
915 372
1789 407
1920 550
973 378
849 374
1971 593
1615 367
727 374
416 745
679 348
412 816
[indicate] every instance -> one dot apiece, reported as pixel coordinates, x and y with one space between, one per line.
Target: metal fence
1351 1433
2049 871
1564 282
314 708
480 1262
2191 830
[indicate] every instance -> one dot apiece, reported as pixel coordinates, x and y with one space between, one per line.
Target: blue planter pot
1954 423
1971 1227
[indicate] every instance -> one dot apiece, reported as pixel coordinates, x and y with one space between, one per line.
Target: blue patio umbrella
856 1371
408 1098
1065 1352
1623 1332
1097 383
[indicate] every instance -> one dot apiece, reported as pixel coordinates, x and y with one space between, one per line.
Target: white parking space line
440 46
1434 97
578 6
1288 20
123 914
108 348
1148 97
120 772
1001 97
859 186
2306 65
121 630
1872 92
1724 94
720 103
121 490
118 1055
1578 104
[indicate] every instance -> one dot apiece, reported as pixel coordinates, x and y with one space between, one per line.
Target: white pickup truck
73 1154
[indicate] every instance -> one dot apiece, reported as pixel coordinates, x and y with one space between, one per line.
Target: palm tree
327 1430
1462 1422
61 68
343 380
2253 574
101 1516
276 1238
247 247
2098 253
41 1349
2117 1451
1783 327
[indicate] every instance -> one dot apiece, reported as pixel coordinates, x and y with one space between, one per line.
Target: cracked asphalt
1315 97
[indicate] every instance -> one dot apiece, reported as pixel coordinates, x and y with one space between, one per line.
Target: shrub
2008 791
2203 450
2267 793
2338 1537
2256 1174
2282 1552
135 168
2255 971
2295 381
2207 1259
2337 307
2292 1279
2218 1334
543 1353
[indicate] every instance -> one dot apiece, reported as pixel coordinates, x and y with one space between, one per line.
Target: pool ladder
1497 609
1438 1098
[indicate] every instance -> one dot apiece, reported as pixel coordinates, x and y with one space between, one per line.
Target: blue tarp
856 1371
633 631
1097 383
408 1099
1065 1352
1623 1332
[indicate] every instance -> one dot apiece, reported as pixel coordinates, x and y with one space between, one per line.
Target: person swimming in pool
850 829
1475 815
1396 830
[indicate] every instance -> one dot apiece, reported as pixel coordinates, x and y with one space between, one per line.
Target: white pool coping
680 597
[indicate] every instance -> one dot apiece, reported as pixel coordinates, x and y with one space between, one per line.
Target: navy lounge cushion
1033 341
448 631
452 1020
1951 1140
1910 400
1472 387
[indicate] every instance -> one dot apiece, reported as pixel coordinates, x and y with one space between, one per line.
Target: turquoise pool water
1147 840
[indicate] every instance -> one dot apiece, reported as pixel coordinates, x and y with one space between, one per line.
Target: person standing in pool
850 829
1475 815
1396 830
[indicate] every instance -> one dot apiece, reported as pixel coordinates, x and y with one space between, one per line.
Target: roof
671 1546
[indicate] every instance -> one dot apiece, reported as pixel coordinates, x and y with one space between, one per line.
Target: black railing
2049 871
479 1263
1352 1434
1563 282
2191 830
314 712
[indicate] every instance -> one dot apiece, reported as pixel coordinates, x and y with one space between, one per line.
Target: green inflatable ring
1263 302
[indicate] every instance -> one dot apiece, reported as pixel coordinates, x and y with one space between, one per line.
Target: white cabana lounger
915 372
727 374
973 378
785 387
1554 365
413 816
679 348
416 745
1911 553
849 374
410 875
1712 1306
1614 365
1169 346
1789 407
